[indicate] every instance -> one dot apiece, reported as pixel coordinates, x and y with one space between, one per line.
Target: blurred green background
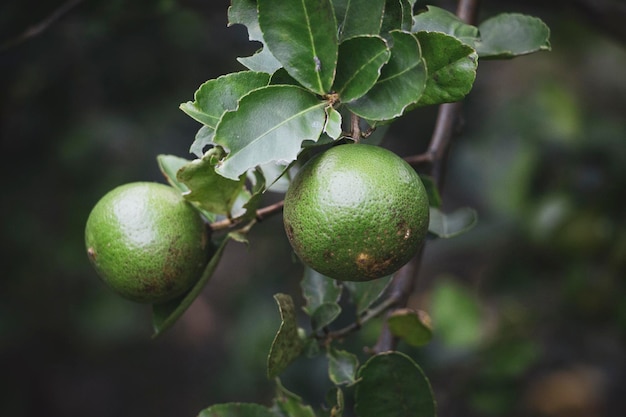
529 307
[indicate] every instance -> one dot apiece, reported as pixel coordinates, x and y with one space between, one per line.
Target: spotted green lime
356 212
146 242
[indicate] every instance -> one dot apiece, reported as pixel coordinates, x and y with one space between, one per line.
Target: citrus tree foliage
322 65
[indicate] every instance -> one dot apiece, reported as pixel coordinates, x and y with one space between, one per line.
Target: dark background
529 307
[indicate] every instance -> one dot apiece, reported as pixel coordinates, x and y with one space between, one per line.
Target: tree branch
35 30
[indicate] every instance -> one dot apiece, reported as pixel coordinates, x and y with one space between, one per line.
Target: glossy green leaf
268 126
169 166
206 188
324 315
358 17
215 97
244 12
392 16
237 410
509 35
392 385
364 294
287 344
318 289
434 198
302 35
456 315
282 77
288 404
414 327
447 225
436 19
451 68
342 366
407 14
251 199
360 62
322 296
165 315
333 123
401 83
204 137
277 176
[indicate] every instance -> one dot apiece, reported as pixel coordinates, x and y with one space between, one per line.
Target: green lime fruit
146 242
356 212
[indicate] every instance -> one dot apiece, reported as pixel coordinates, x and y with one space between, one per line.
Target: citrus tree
306 118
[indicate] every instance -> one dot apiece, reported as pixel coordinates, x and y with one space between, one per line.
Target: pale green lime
356 212
146 242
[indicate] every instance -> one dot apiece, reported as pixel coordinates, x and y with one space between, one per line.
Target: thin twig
37 29
261 214
355 128
270 210
467 11
369 315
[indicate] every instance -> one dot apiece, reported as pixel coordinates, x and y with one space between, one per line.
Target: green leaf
282 77
277 176
206 188
358 17
318 289
398 15
165 315
434 198
407 14
451 224
324 315
244 12
322 295
451 68
288 404
342 366
215 97
203 138
333 123
456 315
287 344
169 166
364 294
359 66
302 35
268 126
237 410
509 35
252 201
436 19
411 326
401 83
392 385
